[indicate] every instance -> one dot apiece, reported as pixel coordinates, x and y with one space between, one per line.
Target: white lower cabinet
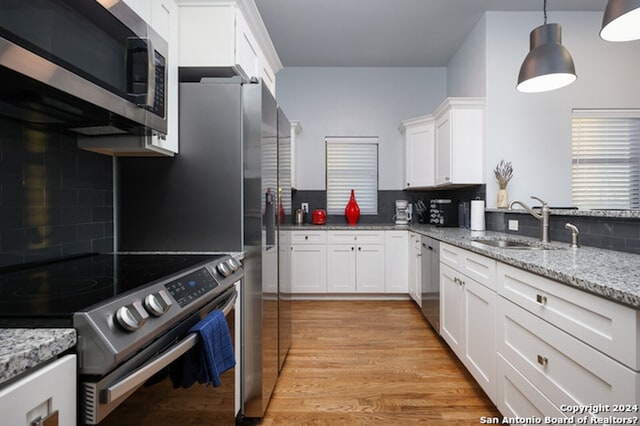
467 324
396 268
46 393
415 268
308 262
517 397
355 262
564 370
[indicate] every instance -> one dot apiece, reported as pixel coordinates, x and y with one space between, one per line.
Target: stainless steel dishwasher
430 252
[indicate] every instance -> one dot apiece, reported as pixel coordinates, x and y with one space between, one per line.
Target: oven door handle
140 376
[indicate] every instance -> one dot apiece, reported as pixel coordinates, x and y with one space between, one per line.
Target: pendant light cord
545 11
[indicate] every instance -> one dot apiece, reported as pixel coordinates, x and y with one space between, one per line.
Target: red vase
352 210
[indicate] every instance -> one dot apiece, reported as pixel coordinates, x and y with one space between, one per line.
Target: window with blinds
606 159
352 163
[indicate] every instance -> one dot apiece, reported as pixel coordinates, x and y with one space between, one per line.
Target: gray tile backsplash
55 199
386 201
621 234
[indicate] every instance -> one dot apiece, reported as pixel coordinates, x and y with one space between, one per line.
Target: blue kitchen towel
212 355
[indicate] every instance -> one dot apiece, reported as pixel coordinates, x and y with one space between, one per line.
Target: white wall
466 72
533 131
355 102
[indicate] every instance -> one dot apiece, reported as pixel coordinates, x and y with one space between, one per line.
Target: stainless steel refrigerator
220 194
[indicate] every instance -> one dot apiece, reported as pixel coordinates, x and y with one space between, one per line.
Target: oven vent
90 403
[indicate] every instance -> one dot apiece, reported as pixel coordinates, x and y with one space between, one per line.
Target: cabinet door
207 35
341 268
517 397
415 269
309 268
564 369
370 268
443 151
480 334
247 54
420 156
397 266
41 393
452 309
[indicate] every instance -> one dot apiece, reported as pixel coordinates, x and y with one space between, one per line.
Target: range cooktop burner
49 294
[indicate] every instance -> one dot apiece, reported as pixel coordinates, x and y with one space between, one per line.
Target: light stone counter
25 348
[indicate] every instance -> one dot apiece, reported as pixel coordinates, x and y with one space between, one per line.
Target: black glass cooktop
47 295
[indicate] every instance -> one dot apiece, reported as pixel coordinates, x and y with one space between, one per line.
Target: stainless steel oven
132 313
145 395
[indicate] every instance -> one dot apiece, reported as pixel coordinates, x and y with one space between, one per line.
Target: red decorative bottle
352 210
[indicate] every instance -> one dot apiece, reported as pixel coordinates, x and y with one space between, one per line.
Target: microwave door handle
151 73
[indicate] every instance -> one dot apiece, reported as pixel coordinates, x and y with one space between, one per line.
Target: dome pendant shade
621 21
548 65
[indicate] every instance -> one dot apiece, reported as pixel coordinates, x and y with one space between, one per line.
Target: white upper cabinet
459 138
226 34
419 152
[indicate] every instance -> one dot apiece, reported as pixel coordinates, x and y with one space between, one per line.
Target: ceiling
384 33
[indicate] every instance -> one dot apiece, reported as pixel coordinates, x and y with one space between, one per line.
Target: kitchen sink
509 244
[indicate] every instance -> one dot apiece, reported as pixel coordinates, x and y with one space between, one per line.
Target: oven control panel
190 287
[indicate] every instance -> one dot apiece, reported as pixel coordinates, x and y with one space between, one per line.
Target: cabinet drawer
517 397
563 368
308 237
360 237
607 326
480 268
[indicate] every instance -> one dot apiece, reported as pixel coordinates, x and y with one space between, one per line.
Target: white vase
503 199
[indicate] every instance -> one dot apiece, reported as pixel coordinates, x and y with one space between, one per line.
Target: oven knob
224 269
235 265
131 317
157 303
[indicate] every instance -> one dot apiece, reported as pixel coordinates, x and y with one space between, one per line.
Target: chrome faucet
574 234
542 216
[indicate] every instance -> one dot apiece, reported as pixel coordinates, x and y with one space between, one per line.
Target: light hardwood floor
371 363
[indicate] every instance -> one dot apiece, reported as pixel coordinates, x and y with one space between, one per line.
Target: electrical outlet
513 225
305 207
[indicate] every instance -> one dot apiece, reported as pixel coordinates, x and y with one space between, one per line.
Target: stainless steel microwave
93 67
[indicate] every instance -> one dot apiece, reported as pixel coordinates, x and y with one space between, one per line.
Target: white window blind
606 159
352 163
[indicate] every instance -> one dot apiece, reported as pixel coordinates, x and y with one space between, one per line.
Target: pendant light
621 21
548 65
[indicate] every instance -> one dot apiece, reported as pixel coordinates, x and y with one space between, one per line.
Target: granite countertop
25 348
607 273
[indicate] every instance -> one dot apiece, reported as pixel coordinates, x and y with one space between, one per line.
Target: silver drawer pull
542 360
541 299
